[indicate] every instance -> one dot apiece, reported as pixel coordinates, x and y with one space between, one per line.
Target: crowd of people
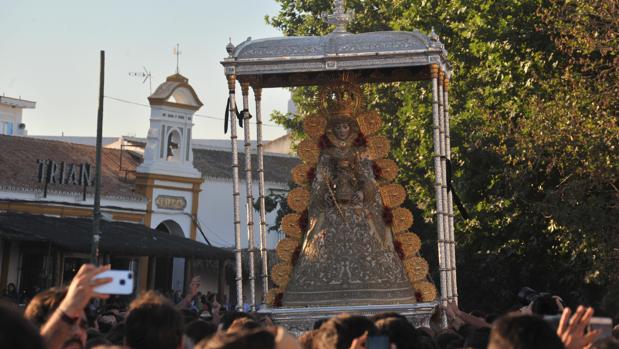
67 319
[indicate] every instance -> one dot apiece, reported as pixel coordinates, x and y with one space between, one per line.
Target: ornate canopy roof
176 92
308 60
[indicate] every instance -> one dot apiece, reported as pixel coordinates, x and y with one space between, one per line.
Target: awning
117 238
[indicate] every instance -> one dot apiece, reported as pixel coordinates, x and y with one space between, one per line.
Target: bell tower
168 145
168 179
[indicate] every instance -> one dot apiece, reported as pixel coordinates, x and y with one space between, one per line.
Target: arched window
174 146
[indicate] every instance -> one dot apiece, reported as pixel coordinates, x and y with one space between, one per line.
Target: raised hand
571 330
81 290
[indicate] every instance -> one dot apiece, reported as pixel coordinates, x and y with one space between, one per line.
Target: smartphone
122 282
377 342
604 324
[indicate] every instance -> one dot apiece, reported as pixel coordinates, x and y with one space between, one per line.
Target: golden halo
280 274
340 97
369 122
402 219
410 242
285 248
300 174
378 147
308 151
393 195
416 268
290 225
427 290
314 126
298 199
388 169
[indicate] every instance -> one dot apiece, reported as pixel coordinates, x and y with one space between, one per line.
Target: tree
534 137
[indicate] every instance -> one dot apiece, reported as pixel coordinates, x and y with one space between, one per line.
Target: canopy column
438 183
445 218
249 195
235 192
450 210
261 193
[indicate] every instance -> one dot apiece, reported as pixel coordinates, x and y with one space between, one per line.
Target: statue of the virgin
347 256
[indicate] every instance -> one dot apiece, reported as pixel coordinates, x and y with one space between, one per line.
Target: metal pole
438 184
249 194
96 210
261 192
441 125
450 206
235 193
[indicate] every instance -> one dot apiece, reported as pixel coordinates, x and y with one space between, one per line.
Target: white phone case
122 282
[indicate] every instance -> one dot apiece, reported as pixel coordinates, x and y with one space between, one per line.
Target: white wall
10 116
216 217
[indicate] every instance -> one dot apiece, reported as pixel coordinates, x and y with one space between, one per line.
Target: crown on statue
341 97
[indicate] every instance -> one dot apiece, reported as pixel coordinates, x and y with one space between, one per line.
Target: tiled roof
18 165
217 164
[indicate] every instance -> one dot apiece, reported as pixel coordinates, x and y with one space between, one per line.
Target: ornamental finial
340 16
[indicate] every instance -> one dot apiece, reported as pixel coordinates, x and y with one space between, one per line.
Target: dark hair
523 332
478 338
153 322
117 334
228 318
198 330
386 315
256 339
44 304
17 332
449 339
545 304
339 332
400 332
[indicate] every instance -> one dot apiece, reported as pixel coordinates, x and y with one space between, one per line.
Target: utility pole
96 209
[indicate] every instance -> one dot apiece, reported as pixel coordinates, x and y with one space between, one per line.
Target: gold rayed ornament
393 195
285 248
388 169
290 225
280 274
314 126
402 219
416 268
378 147
298 199
300 174
369 122
410 242
427 290
309 151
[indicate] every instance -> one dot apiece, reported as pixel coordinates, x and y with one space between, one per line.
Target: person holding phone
60 313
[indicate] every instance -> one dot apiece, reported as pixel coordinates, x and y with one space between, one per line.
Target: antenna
147 76
176 51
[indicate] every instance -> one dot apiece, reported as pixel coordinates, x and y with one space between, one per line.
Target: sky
49 53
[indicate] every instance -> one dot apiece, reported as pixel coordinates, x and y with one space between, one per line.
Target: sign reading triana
54 172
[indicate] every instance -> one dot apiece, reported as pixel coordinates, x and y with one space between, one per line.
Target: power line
198 115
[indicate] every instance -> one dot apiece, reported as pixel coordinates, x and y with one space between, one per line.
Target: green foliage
534 100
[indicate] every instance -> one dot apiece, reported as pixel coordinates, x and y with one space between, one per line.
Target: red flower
303 221
360 141
277 302
418 296
324 142
387 215
311 174
295 255
377 170
397 245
